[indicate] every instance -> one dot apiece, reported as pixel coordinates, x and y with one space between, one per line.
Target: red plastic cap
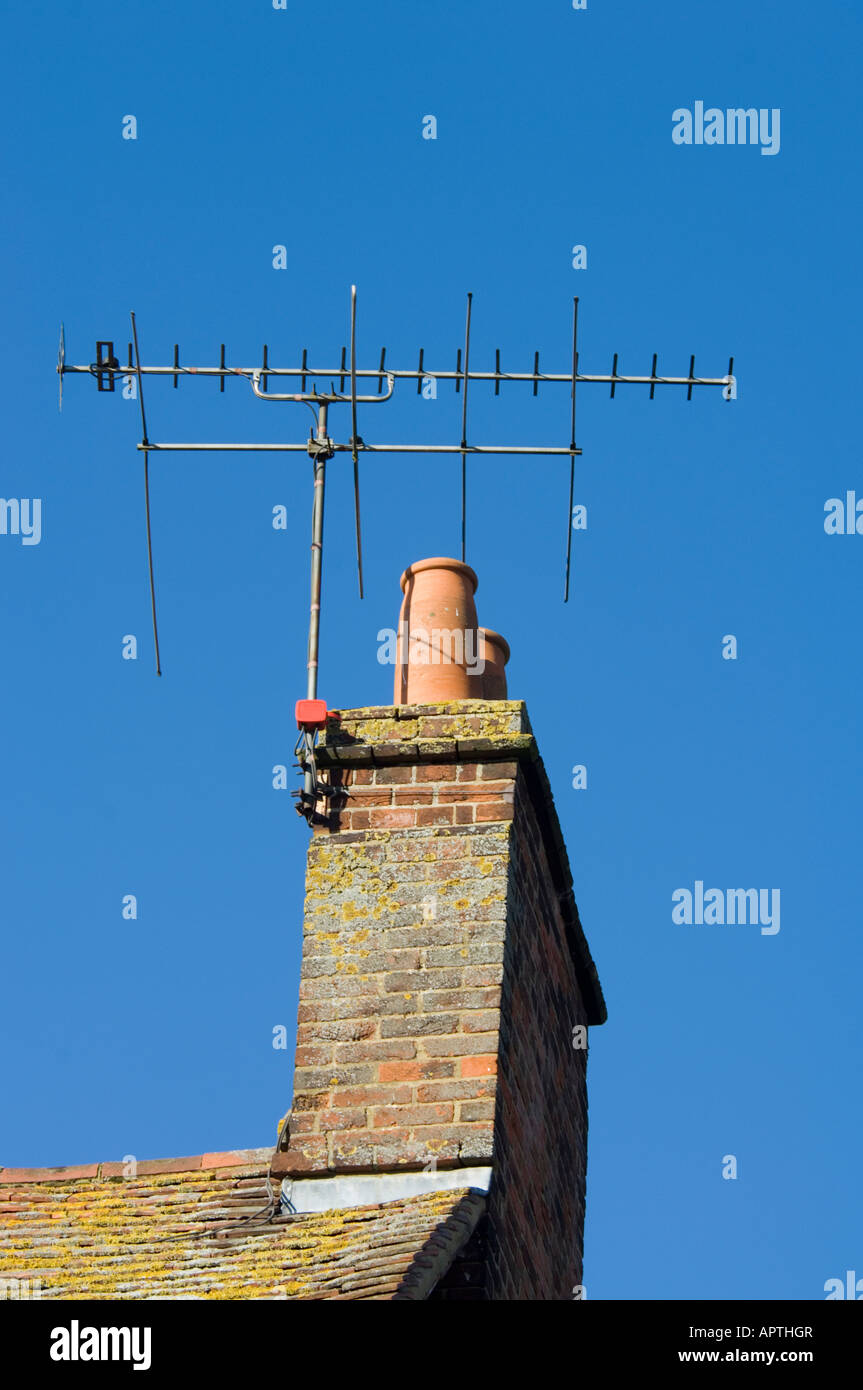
311 714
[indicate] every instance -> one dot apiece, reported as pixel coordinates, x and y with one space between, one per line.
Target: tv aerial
321 447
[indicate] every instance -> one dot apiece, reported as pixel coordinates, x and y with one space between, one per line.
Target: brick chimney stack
447 986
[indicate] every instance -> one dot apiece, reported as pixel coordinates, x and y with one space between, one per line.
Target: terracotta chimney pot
494 651
437 652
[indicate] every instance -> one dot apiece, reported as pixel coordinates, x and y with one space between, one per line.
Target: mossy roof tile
194 1234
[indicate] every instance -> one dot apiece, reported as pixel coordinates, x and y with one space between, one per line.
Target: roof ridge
145 1167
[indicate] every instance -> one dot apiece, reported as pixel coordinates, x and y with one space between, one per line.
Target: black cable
269 1211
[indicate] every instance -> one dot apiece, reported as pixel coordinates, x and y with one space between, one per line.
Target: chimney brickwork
444 971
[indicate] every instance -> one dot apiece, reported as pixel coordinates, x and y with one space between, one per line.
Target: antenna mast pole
320 450
320 456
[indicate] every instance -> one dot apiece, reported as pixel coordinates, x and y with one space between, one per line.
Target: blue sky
303 127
